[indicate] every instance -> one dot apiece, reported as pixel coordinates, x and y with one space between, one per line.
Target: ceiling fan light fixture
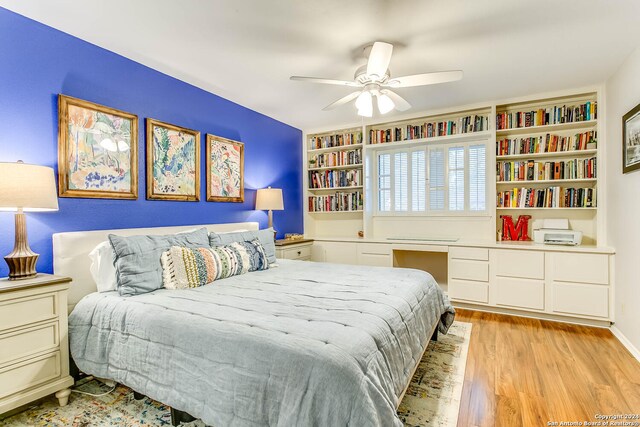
366 111
364 100
385 104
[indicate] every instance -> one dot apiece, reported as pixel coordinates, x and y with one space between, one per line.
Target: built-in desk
571 283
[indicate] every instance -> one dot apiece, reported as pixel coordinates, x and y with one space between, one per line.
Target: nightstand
34 350
294 249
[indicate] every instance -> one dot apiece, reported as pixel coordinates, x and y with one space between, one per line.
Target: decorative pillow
193 267
265 236
138 258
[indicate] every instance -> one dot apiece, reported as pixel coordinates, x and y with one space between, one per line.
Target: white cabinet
335 252
34 351
468 278
519 293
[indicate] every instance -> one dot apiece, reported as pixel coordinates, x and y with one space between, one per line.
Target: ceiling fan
374 79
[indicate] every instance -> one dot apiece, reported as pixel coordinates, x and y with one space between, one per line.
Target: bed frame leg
138 396
434 337
178 417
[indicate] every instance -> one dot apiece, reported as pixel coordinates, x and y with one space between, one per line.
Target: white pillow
102 269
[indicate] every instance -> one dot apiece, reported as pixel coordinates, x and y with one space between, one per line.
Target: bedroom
172 137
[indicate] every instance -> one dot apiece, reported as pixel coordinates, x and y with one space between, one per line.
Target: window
438 178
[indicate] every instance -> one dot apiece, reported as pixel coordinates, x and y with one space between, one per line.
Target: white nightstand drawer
27 310
300 252
29 374
24 342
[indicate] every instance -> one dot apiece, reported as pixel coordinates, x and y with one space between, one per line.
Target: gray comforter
303 344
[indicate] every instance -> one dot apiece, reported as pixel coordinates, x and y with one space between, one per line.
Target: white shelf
570 153
355 187
324 168
547 128
528 209
434 139
332 149
546 181
335 212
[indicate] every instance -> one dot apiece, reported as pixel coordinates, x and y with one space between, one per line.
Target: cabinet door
376 254
520 263
520 293
340 252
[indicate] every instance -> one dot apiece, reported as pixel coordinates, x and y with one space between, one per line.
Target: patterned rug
432 399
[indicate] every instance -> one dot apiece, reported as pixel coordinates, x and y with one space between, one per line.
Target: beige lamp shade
269 199
30 187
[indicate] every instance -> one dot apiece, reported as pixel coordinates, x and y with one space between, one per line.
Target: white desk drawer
479 254
521 293
374 248
24 342
469 270
301 252
27 310
380 260
581 268
29 373
581 299
466 290
520 263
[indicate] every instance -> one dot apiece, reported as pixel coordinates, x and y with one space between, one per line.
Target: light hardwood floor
527 372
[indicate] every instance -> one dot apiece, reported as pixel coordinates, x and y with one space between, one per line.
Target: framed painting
631 140
173 162
225 170
97 151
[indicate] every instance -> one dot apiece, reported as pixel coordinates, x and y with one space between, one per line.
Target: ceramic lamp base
22 260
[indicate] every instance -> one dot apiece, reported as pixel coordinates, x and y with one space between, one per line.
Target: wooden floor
527 372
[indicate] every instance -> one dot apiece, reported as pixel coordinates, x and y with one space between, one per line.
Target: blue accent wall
38 62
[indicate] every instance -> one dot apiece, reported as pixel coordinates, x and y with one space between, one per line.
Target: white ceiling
245 50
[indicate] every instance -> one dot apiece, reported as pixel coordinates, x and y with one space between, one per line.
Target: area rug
432 399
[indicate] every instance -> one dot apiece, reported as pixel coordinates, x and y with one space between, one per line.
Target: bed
300 344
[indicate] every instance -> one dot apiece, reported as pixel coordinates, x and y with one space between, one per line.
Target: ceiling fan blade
425 79
379 59
401 104
325 81
343 100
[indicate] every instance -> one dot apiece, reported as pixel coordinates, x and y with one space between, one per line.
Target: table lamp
269 199
25 188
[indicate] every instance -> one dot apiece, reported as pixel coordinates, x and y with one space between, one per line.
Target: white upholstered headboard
71 251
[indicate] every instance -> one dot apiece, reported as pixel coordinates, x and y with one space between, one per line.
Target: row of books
551 197
547 116
335 178
338 202
529 170
466 124
337 140
336 158
547 144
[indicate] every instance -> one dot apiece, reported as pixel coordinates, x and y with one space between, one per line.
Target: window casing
436 179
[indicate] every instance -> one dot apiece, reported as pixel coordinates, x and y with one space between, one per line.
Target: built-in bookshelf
429 128
547 160
334 172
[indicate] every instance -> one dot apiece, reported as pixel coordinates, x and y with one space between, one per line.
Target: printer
557 232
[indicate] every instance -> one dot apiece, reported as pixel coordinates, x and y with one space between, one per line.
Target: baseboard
533 315
625 342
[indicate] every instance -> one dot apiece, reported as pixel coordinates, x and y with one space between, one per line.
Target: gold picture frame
97 151
173 162
225 170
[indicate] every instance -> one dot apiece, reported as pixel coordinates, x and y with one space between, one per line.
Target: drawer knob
299 252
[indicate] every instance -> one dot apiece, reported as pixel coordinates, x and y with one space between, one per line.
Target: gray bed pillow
137 258
264 236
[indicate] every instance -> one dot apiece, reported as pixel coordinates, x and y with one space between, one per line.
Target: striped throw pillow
192 267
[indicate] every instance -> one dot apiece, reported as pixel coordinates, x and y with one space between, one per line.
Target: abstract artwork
97 151
631 140
173 162
225 170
